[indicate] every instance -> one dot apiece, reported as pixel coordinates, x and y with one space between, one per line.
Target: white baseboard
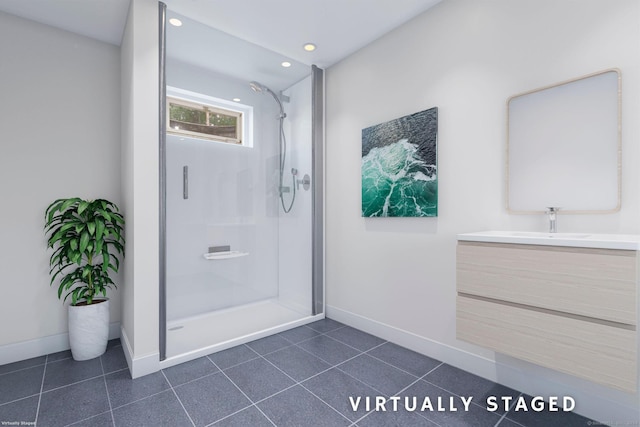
139 366
592 400
23 350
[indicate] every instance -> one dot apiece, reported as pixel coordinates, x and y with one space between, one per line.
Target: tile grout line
22 369
507 411
141 399
87 419
302 385
399 368
106 388
177 397
400 391
451 392
296 382
243 393
19 399
75 383
44 372
293 343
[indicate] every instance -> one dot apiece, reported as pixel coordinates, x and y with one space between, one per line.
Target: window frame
244 113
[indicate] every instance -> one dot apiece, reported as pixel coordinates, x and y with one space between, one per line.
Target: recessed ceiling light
309 47
286 64
236 100
175 22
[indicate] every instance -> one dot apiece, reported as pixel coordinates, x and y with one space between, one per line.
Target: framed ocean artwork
399 167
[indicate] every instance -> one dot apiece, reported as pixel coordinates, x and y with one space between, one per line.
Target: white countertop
580 240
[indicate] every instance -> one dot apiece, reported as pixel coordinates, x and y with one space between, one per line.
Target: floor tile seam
506 413
59 360
326 332
455 394
253 405
424 415
178 397
418 412
93 416
451 392
296 342
106 389
346 373
350 346
138 400
44 372
372 411
368 385
265 415
271 352
500 420
511 420
190 381
19 399
257 402
326 403
394 366
289 376
232 366
70 384
22 369
326 361
115 372
236 386
300 382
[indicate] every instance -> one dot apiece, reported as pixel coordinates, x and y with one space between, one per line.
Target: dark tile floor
302 377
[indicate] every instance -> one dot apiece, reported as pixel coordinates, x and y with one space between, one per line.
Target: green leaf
82 206
91 226
84 241
67 203
99 228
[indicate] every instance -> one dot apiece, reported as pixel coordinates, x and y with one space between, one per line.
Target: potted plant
86 237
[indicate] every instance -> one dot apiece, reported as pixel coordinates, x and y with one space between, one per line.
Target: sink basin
549 235
578 240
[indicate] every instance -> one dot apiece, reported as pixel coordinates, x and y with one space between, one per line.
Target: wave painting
399 168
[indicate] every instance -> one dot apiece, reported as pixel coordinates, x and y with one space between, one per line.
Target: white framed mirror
564 146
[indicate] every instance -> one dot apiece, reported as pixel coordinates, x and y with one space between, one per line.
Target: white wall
60 138
140 186
397 276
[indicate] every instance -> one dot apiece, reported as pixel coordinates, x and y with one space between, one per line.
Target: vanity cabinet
572 309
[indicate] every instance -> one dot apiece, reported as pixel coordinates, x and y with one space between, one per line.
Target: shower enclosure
241 193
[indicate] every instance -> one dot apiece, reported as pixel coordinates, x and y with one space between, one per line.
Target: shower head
260 88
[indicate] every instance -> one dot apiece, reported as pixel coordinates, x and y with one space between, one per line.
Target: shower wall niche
226 197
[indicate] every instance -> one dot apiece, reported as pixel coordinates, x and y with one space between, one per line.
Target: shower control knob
305 181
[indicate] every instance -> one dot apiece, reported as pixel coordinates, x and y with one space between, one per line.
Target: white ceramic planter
89 330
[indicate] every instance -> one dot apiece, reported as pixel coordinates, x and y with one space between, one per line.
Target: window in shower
204 121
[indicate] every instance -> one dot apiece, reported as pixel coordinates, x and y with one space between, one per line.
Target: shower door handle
185 182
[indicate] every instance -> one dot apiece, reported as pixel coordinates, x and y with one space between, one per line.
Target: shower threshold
194 337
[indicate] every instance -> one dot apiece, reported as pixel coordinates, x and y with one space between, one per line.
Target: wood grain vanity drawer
595 351
598 283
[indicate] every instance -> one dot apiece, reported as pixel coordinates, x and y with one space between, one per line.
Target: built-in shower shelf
224 255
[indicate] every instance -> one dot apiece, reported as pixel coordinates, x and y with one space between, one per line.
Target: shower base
194 337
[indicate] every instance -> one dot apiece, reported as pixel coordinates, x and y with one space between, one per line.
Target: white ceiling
103 20
337 27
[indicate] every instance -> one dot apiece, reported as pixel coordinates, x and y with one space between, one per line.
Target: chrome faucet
552 211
